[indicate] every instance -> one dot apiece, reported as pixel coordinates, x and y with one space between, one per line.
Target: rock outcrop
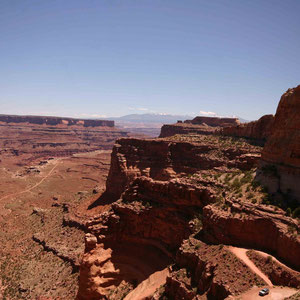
169 210
213 121
25 141
163 159
246 225
184 128
258 130
282 150
199 125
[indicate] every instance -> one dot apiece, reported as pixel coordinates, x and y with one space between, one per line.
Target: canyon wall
280 165
158 205
173 204
213 121
258 130
199 125
22 142
40 120
185 128
249 226
164 159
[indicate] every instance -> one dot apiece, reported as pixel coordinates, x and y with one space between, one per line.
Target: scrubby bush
296 212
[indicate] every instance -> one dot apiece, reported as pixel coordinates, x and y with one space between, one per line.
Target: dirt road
241 254
276 293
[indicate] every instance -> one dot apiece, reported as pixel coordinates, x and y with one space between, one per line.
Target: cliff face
184 128
162 195
172 208
164 159
282 150
20 142
247 225
199 125
55 121
214 121
283 146
257 130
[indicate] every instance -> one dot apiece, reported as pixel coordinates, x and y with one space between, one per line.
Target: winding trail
241 254
34 186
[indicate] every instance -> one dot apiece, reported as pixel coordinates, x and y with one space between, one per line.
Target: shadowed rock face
282 150
258 130
55 121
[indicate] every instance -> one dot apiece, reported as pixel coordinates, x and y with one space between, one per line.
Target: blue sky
89 58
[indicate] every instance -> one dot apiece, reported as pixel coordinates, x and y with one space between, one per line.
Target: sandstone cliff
163 159
214 121
55 121
184 128
247 225
164 196
258 130
176 206
199 125
282 150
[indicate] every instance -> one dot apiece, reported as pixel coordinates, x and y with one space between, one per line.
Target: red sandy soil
241 254
149 286
276 293
33 204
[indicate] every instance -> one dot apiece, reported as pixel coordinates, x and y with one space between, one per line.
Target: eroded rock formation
280 166
199 125
163 159
247 225
174 207
258 130
37 138
163 201
47 120
214 121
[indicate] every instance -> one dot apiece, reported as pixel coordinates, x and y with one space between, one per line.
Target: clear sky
89 58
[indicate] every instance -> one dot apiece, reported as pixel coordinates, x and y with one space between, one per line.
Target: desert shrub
246 178
254 201
255 184
236 184
251 195
288 212
227 178
269 259
296 212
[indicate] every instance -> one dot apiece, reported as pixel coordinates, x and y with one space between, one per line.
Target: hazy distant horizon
109 59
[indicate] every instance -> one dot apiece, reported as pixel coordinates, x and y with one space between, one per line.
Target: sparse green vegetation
296 212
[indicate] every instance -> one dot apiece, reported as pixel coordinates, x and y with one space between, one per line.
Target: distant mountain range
152 118
155 118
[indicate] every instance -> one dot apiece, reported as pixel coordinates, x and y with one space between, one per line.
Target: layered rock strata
214 121
282 150
160 206
184 128
251 226
26 141
199 125
163 159
258 130
47 120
